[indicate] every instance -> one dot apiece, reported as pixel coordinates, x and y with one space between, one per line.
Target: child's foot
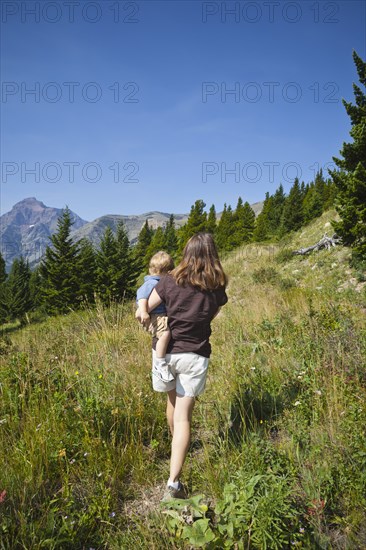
161 369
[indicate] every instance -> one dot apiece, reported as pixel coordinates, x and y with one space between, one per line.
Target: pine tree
59 269
350 180
87 266
197 219
158 242
140 250
320 184
35 288
211 221
170 237
276 210
302 189
262 224
243 223
319 195
3 274
307 203
18 290
224 232
107 267
128 267
292 216
248 221
237 224
196 222
117 268
3 291
314 198
329 194
4 312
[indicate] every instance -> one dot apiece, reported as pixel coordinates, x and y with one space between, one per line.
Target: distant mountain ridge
94 230
26 229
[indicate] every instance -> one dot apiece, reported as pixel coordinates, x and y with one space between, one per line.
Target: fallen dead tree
325 242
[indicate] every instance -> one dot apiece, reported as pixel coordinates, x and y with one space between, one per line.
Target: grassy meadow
278 454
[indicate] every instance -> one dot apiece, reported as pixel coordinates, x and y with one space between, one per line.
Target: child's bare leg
160 366
162 344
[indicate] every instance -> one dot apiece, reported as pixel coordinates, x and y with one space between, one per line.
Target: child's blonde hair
161 263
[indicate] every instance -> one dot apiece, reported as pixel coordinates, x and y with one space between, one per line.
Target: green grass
278 443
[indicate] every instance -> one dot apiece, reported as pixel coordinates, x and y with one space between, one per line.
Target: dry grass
84 443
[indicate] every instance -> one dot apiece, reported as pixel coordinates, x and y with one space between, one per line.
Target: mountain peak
26 228
31 202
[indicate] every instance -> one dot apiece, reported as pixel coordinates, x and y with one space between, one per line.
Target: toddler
160 264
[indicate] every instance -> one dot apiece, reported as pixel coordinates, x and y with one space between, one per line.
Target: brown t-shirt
190 312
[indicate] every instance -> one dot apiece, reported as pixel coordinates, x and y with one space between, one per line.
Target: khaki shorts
190 372
158 324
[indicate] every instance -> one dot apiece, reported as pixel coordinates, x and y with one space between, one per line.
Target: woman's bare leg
181 434
170 405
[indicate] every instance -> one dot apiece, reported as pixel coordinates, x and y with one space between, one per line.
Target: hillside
278 446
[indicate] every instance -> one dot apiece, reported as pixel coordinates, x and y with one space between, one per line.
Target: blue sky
147 121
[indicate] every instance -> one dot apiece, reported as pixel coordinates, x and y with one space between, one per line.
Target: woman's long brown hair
200 265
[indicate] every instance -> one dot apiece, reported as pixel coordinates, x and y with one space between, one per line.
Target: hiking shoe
162 371
170 492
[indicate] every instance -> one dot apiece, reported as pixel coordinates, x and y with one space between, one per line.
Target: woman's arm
153 301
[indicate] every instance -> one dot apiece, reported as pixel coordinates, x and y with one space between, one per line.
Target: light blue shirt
150 282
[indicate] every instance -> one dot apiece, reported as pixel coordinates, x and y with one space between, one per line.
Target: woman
193 294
